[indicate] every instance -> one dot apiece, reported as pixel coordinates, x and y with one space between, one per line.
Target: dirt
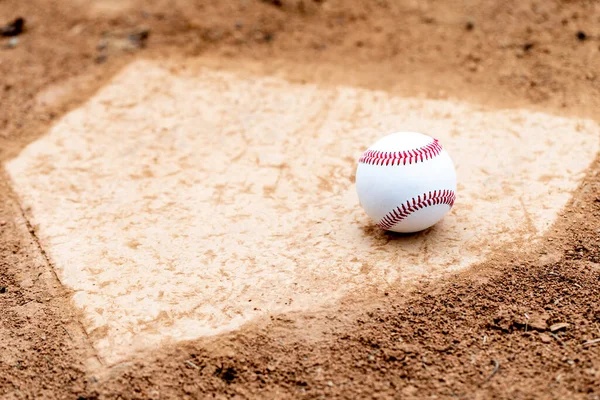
521 325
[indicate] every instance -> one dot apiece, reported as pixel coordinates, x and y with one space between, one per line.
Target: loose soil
521 325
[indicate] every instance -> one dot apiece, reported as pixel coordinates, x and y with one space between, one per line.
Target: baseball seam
425 200
393 158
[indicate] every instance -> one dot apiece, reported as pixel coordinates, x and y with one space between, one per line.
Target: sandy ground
489 331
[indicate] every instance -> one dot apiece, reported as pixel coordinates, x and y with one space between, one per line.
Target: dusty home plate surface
178 205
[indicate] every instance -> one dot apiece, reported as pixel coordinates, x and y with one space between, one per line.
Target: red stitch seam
392 158
404 210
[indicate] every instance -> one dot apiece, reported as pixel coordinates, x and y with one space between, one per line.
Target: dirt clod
558 327
545 338
538 322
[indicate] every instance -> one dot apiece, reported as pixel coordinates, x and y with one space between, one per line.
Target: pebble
12 43
559 326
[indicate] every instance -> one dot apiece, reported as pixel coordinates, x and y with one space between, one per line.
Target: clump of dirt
520 326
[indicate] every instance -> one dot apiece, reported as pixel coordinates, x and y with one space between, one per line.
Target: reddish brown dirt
485 333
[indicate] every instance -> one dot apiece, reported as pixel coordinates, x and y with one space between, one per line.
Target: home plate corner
179 206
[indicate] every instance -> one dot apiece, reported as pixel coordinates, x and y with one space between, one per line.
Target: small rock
545 338
2 223
12 43
559 326
581 35
329 383
469 25
503 320
13 28
3 289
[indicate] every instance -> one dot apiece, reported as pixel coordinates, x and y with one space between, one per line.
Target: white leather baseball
406 182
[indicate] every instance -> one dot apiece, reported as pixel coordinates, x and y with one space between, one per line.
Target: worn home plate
177 206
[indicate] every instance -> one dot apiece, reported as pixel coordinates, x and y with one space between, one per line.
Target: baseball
406 182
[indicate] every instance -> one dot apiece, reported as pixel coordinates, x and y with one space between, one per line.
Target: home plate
180 205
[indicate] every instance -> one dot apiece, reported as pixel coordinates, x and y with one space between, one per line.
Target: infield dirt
519 322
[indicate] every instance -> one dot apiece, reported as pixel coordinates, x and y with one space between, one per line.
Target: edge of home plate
180 205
